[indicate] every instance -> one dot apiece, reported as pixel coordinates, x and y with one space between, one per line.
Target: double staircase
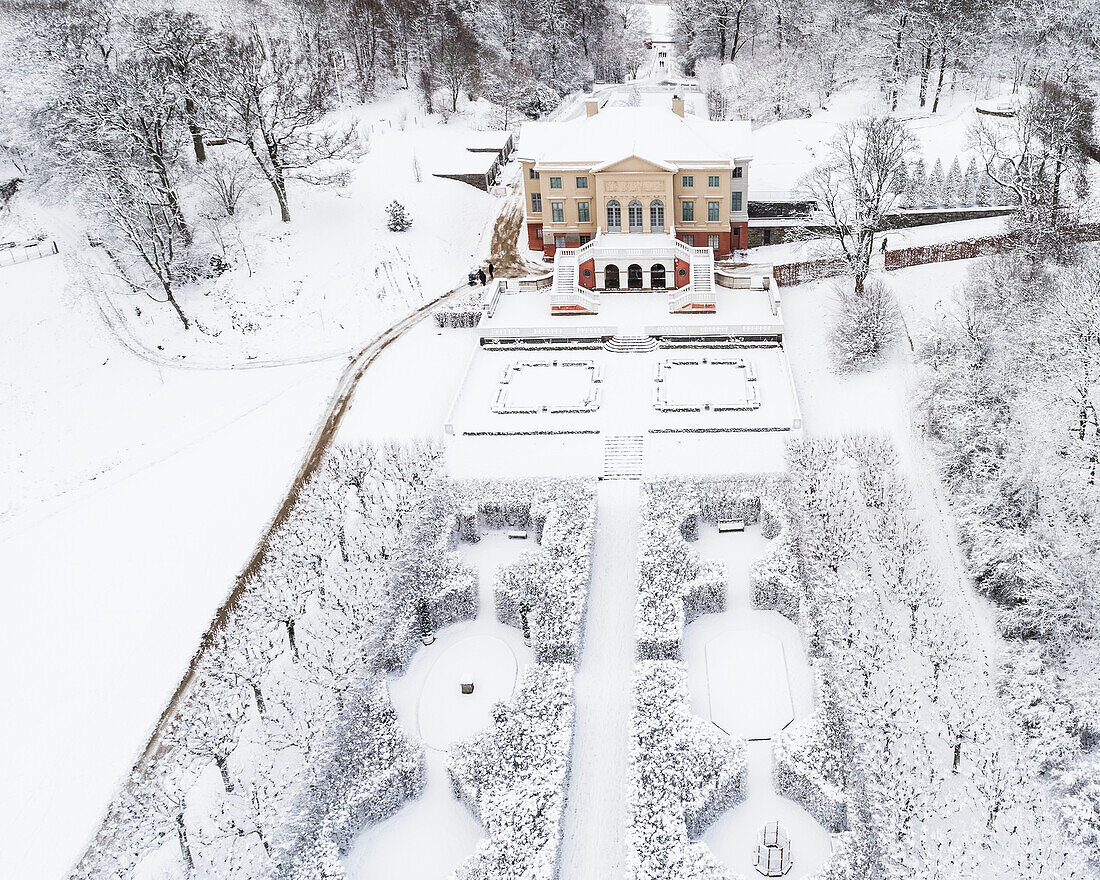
698 295
567 297
631 344
623 456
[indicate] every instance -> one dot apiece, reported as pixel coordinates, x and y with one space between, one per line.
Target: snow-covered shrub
851 858
514 775
363 770
674 587
865 324
775 579
683 774
801 772
551 583
462 309
427 577
398 219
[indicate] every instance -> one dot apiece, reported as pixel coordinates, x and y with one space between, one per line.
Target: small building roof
656 133
487 140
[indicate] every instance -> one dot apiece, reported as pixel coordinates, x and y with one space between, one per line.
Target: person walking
882 249
481 276
491 275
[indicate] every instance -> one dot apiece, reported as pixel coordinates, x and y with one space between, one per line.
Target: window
712 211
689 240
634 215
767 236
585 239
614 216
533 174
736 201
559 241
555 183
557 212
656 215
538 233
738 171
687 180
536 203
714 180
582 212
712 242
582 183
687 212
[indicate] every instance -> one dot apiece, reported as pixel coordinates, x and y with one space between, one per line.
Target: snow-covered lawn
548 384
715 383
132 496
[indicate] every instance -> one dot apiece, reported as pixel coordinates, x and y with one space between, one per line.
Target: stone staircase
623 456
631 344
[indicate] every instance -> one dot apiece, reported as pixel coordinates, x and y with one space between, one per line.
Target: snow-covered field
133 494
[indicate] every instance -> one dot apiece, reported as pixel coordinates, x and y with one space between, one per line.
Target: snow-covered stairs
627 344
623 457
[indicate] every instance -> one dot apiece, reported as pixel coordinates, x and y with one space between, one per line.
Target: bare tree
276 102
854 189
125 114
458 61
187 49
227 177
140 233
1049 133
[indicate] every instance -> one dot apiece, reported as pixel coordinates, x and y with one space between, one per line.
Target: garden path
593 840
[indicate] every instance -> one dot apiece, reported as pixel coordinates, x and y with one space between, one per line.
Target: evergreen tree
953 185
399 221
934 197
918 182
984 194
968 193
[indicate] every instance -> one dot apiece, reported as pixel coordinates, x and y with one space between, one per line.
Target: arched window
634 276
611 277
656 216
657 276
634 215
614 218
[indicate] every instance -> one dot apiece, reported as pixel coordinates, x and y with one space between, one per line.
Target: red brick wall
682 279
588 280
739 236
533 240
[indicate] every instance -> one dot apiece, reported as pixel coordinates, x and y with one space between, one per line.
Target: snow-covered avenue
595 823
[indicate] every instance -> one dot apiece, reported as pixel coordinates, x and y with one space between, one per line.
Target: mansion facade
636 181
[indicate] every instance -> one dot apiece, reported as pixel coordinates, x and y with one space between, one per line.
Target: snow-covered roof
487 140
656 133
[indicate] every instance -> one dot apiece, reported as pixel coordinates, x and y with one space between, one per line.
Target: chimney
678 105
591 107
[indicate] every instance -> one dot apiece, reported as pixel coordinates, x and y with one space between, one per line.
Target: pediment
635 163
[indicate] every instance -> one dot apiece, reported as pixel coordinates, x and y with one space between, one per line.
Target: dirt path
504 250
